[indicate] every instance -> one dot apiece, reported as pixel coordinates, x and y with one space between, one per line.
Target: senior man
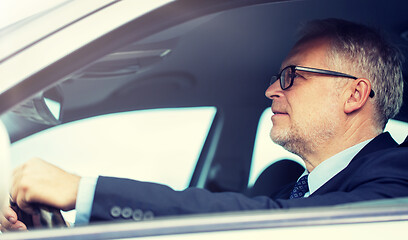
335 92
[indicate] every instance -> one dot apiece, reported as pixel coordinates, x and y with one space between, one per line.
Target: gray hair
365 52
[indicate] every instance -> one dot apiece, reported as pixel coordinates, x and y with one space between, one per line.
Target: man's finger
18 226
23 205
9 215
9 221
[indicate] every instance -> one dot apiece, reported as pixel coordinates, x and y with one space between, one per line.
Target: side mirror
45 108
4 166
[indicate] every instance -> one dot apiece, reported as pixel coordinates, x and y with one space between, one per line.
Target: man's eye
297 75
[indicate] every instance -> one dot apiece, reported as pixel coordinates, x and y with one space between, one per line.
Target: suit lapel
381 142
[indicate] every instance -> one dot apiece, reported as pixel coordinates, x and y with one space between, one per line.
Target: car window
160 145
266 152
150 145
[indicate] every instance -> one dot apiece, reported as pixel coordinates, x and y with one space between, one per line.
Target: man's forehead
292 58
310 53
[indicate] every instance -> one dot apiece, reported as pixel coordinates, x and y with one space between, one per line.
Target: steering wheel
43 217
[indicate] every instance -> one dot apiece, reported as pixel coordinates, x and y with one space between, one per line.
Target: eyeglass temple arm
314 70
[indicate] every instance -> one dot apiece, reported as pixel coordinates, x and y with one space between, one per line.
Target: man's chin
287 143
280 137
285 139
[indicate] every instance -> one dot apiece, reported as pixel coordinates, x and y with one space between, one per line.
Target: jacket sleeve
117 198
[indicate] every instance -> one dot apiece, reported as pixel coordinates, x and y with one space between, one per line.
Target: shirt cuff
86 192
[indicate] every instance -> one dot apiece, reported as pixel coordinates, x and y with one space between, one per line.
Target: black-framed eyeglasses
288 74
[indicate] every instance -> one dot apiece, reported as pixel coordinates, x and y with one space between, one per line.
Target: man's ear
357 95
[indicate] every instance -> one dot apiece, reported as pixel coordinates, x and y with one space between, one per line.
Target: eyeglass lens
286 77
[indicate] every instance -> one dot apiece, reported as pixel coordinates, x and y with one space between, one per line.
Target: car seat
405 143
274 177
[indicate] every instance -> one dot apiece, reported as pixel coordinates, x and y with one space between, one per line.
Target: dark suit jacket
378 171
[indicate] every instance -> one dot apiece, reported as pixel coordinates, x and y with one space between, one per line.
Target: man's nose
274 90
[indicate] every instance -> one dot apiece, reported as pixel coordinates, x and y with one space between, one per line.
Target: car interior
206 53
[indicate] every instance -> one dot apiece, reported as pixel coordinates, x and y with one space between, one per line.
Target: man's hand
9 222
39 182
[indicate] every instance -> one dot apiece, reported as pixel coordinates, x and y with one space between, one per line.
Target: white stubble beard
306 137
